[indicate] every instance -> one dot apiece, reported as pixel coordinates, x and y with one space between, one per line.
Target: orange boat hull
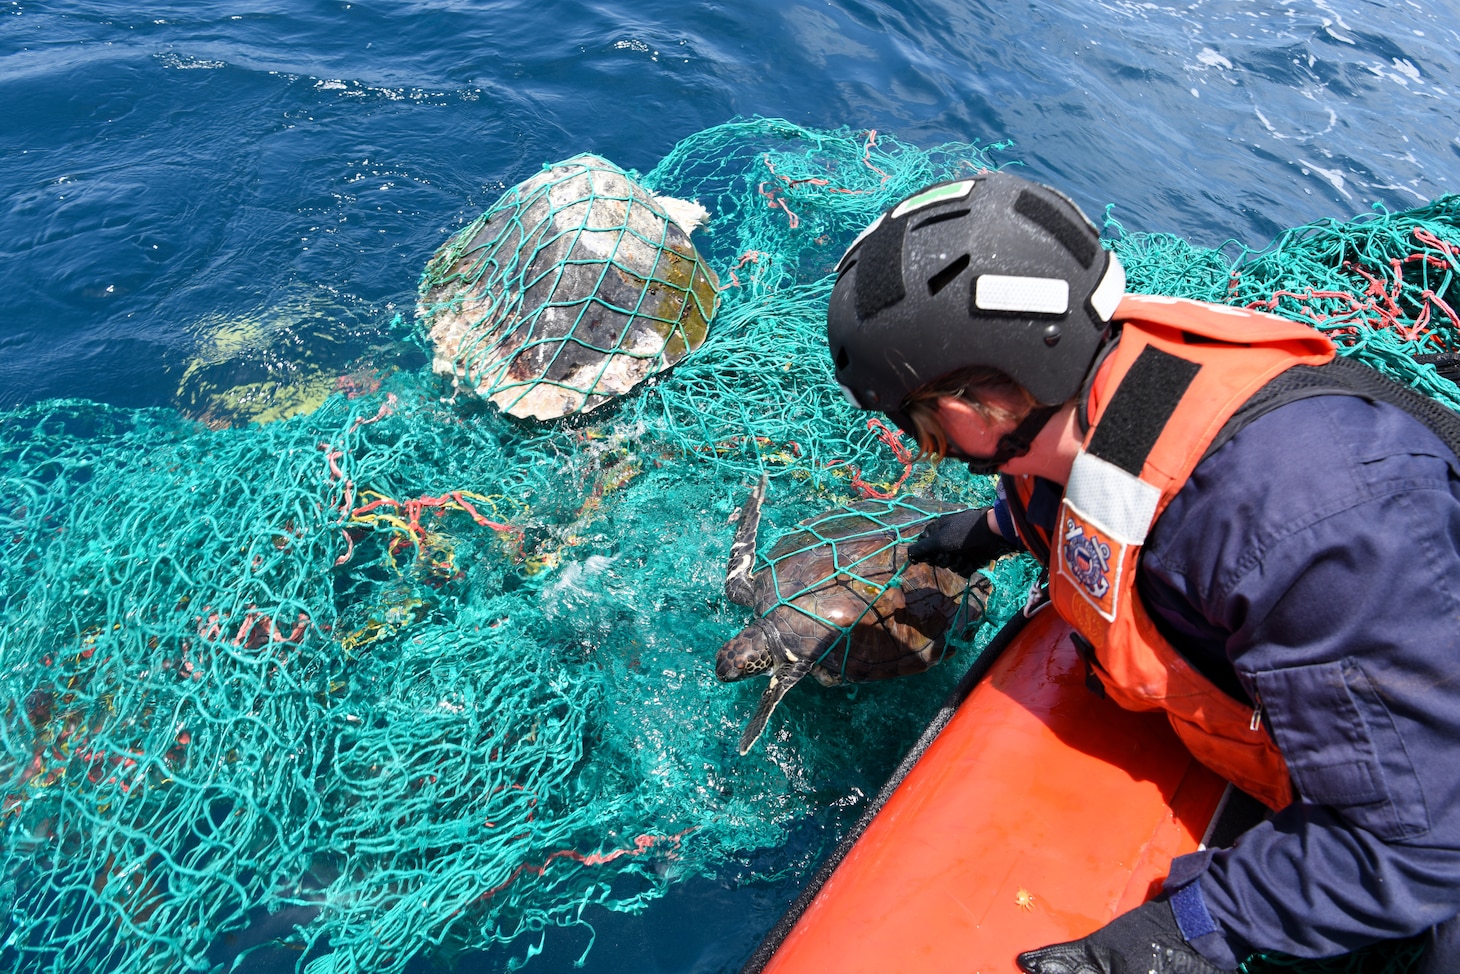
1038 813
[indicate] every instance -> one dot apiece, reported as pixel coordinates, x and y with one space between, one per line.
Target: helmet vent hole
1081 242
940 218
947 275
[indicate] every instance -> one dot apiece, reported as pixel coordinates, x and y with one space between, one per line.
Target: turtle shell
833 575
573 288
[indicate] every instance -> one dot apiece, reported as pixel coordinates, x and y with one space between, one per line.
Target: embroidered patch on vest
1103 520
1090 558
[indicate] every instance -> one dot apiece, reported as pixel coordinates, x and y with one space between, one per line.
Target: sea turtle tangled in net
574 287
839 600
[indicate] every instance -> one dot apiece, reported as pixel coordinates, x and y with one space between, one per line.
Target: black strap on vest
1033 540
1140 407
1086 649
1343 377
1157 380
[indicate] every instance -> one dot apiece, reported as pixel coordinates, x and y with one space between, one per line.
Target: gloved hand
1145 939
961 542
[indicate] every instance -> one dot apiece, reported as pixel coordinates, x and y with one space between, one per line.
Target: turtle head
744 655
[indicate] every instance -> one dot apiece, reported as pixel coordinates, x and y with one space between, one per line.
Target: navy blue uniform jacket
1312 566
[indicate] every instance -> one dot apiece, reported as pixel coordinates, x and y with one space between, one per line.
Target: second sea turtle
838 599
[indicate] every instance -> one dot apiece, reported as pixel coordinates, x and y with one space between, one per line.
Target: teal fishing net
404 677
1384 286
872 614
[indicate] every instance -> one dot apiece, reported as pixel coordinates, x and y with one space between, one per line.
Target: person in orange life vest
1253 535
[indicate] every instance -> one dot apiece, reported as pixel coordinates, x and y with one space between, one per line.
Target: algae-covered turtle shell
838 599
574 287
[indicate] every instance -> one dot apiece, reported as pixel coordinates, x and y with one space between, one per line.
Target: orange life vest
1179 372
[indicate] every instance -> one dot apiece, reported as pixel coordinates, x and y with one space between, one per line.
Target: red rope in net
1378 305
893 439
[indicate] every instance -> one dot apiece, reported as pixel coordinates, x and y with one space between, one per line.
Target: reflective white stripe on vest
1121 504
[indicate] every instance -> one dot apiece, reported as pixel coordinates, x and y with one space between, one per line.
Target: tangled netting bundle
403 676
1385 287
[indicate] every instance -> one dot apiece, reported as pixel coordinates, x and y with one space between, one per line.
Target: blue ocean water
219 196
294 164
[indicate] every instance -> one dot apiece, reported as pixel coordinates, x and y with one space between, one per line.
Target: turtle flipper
739 588
782 679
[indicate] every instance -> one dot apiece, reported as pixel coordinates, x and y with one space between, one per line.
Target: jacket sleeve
1323 545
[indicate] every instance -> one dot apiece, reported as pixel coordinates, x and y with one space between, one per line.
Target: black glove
961 542
1145 939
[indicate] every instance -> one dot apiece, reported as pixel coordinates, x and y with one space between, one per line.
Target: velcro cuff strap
1191 912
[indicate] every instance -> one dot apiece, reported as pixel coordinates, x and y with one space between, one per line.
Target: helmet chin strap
1015 443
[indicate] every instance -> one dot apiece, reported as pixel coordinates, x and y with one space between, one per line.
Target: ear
956 409
966 425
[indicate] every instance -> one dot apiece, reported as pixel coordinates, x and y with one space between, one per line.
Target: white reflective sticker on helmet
856 243
1035 295
1112 288
851 396
938 194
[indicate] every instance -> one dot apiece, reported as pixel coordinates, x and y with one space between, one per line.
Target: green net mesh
1384 287
873 614
401 676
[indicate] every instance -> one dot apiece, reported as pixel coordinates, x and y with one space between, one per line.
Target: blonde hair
921 405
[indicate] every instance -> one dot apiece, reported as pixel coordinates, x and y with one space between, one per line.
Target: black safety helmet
992 271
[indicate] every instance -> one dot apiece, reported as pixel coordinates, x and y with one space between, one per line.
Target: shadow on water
261 946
